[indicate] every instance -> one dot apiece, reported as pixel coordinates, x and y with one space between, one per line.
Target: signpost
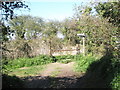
83 38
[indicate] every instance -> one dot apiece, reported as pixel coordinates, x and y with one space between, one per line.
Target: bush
82 62
65 58
115 83
26 62
105 68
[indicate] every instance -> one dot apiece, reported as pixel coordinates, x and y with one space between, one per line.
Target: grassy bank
83 62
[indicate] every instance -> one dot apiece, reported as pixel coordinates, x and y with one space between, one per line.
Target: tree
3 32
51 28
94 27
111 11
49 34
69 31
26 26
35 26
8 7
18 25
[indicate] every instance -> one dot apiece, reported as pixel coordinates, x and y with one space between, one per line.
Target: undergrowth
65 58
105 67
9 65
27 71
82 62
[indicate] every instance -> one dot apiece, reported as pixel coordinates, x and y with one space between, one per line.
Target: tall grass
26 62
65 58
9 65
82 62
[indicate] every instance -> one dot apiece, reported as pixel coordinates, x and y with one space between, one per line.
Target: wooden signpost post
83 38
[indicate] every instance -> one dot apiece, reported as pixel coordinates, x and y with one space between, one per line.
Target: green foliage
27 71
51 28
65 58
115 83
26 62
3 32
18 25
65 61
83 62
106 68
100 35
110 10
94 27
69 31
26 25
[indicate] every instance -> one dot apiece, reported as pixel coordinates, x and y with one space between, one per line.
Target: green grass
82 62
23 67
32 66
26 62
55 73
65 58
27 71
65 61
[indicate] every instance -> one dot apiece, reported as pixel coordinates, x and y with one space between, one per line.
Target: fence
67 50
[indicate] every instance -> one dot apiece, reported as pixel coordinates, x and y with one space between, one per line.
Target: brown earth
64 70
56 75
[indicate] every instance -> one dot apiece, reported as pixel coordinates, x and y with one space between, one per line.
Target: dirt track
56 75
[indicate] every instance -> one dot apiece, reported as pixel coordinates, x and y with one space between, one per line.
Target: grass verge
27 71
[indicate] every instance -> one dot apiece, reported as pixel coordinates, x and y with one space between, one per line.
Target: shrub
82 62
26 62
115 83
65 58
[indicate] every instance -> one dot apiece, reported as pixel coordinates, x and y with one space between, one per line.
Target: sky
51 9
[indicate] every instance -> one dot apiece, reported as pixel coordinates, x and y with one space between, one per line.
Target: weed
29 71
26 62
55 73
82 62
